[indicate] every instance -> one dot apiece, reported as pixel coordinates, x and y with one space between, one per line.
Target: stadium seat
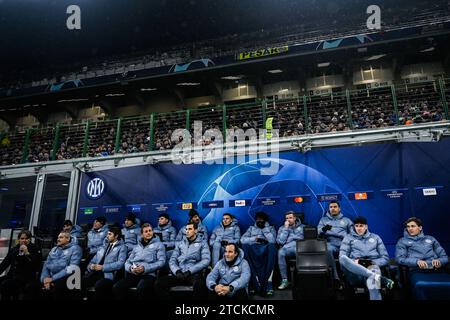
312 275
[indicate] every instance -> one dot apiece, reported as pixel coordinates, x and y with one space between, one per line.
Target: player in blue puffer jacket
361 255
62 261
258 243
190 257
227 232
202 232
107 262
147 257
97 236
230 276
288 234
131 232
166 233
334 227
425 258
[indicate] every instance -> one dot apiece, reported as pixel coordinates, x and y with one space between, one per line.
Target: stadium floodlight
188 84
323 65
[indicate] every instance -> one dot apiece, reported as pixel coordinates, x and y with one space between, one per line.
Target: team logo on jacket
428 241
342 222
95 188
372 240
235 268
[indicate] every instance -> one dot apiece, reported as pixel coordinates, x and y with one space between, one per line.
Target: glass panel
16 201
54 203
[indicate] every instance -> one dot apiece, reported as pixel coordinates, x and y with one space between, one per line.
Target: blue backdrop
392 177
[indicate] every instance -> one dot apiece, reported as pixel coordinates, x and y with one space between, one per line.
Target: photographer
361 255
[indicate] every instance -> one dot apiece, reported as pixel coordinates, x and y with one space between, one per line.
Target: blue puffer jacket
152 257
340 227
268 233
232 233
76 231
410 249
168 234
193 256
201 232
131 235
238 275
368 246
59 259
288 236
114 261
97 238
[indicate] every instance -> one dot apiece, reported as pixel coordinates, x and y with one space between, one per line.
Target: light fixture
275 71
64 184
375 57
188 84
114 94
239 77
149 89
323 65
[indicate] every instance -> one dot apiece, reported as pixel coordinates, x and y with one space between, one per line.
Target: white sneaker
284 284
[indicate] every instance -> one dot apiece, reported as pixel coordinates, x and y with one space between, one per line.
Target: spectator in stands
361 255
227 232
131 231
334 227
61 262
230 276
24 261
190 257
74 230
147 257
105 266
424 257
166 233
258 243
97 236
288 234
202 232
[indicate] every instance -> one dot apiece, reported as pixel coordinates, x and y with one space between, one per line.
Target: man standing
334 227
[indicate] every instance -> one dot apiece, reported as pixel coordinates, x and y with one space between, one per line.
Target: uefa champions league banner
387 183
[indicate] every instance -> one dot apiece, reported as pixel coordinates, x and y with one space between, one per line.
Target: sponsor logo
262 53
239 203
429 192
186 206
361 196
95 188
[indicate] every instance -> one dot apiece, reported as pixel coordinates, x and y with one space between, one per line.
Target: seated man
425 258
74 230
334 227
24 262
202 232
166 233
288 234
230 276
106 263
97 236
131 232
361 255
227 232
147 257
258 243
189 258
61 261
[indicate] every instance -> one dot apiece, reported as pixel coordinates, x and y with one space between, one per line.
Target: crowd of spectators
370 109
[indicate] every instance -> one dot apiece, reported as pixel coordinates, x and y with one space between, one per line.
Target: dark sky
34 33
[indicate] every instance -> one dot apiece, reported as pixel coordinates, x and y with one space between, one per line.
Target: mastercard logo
298 199
361 196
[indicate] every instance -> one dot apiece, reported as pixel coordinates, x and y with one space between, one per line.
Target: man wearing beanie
361 255
131 231
166 232
194 217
